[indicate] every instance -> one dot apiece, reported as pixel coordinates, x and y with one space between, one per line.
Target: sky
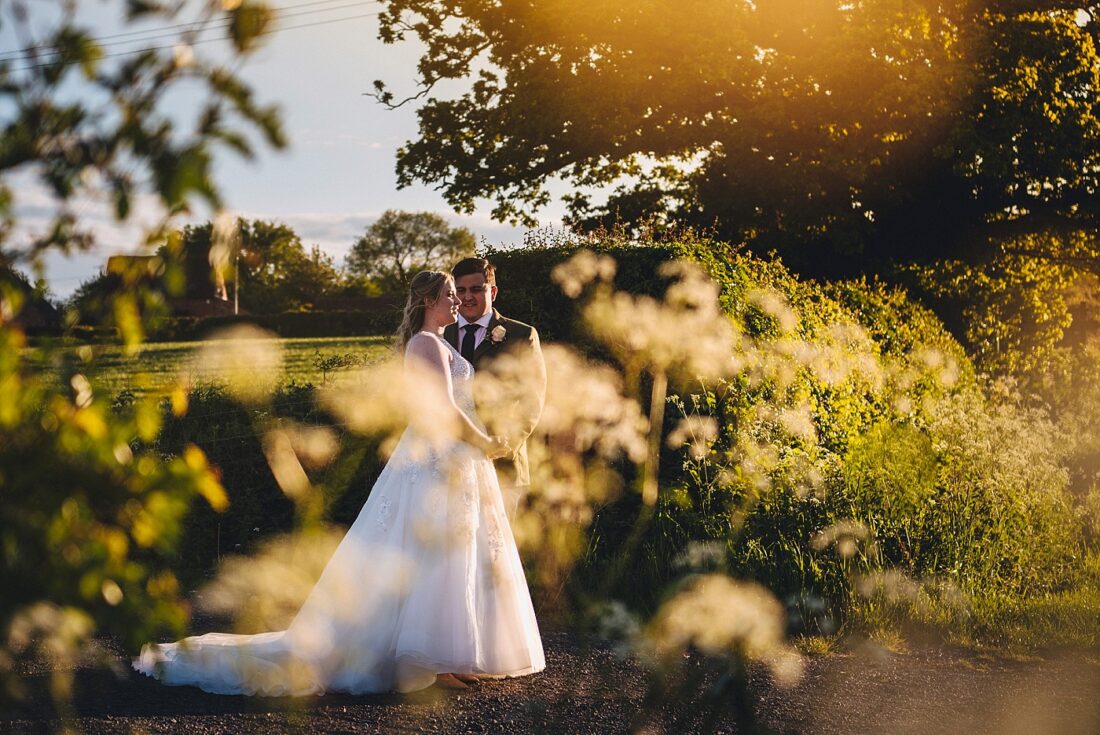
336 176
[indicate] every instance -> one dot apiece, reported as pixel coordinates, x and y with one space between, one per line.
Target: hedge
286 324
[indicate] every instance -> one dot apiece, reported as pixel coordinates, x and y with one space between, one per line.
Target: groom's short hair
470 266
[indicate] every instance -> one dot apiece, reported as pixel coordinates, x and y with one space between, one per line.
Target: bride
426 587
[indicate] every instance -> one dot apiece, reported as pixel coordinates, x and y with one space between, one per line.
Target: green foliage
899 324
902 337
400 244
92 299
31 300
89 515
868 463
528 293
194 538
69 150
1010 312
1070 387
229 436
1063 619
271 270
1003 483
846 136
889 482
276 274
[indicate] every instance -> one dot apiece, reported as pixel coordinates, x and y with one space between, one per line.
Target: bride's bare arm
432 364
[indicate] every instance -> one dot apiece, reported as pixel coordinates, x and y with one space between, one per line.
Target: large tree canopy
890 129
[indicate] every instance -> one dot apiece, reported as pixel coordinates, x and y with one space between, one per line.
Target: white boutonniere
498 334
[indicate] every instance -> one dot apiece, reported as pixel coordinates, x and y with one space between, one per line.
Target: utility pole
237 283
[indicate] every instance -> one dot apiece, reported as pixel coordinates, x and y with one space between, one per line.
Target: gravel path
590 690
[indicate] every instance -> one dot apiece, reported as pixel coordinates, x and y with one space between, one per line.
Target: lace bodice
462 379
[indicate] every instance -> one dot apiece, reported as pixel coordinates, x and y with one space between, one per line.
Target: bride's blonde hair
425 286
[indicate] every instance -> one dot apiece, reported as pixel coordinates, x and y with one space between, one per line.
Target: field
154 367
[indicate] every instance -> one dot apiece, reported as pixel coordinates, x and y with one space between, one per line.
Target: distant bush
78 334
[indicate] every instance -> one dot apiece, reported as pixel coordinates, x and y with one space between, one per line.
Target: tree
845 135
399 244
35 308
279 271
91 302
276 271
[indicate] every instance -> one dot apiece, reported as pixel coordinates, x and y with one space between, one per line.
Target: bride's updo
425 286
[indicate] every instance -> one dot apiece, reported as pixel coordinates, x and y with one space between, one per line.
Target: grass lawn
154 366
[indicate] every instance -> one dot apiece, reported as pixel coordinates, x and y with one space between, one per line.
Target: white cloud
35 208
342 138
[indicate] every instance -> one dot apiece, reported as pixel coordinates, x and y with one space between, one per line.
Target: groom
482 335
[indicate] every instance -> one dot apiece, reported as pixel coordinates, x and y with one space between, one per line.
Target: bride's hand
498 448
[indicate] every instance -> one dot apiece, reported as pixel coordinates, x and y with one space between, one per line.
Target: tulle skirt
427 580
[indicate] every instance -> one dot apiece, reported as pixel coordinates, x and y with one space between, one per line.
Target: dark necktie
468 341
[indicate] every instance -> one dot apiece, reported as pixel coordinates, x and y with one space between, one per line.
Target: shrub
860 442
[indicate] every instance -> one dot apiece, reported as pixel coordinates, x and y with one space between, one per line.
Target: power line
210 40
190 25
199 26
225 25
202 22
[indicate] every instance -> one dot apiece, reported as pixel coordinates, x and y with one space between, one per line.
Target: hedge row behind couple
427 586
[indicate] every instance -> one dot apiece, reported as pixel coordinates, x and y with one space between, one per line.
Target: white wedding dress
427 580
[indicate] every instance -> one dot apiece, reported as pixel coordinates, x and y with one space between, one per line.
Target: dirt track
590 690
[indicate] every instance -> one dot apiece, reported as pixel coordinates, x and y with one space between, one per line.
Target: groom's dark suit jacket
511 335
